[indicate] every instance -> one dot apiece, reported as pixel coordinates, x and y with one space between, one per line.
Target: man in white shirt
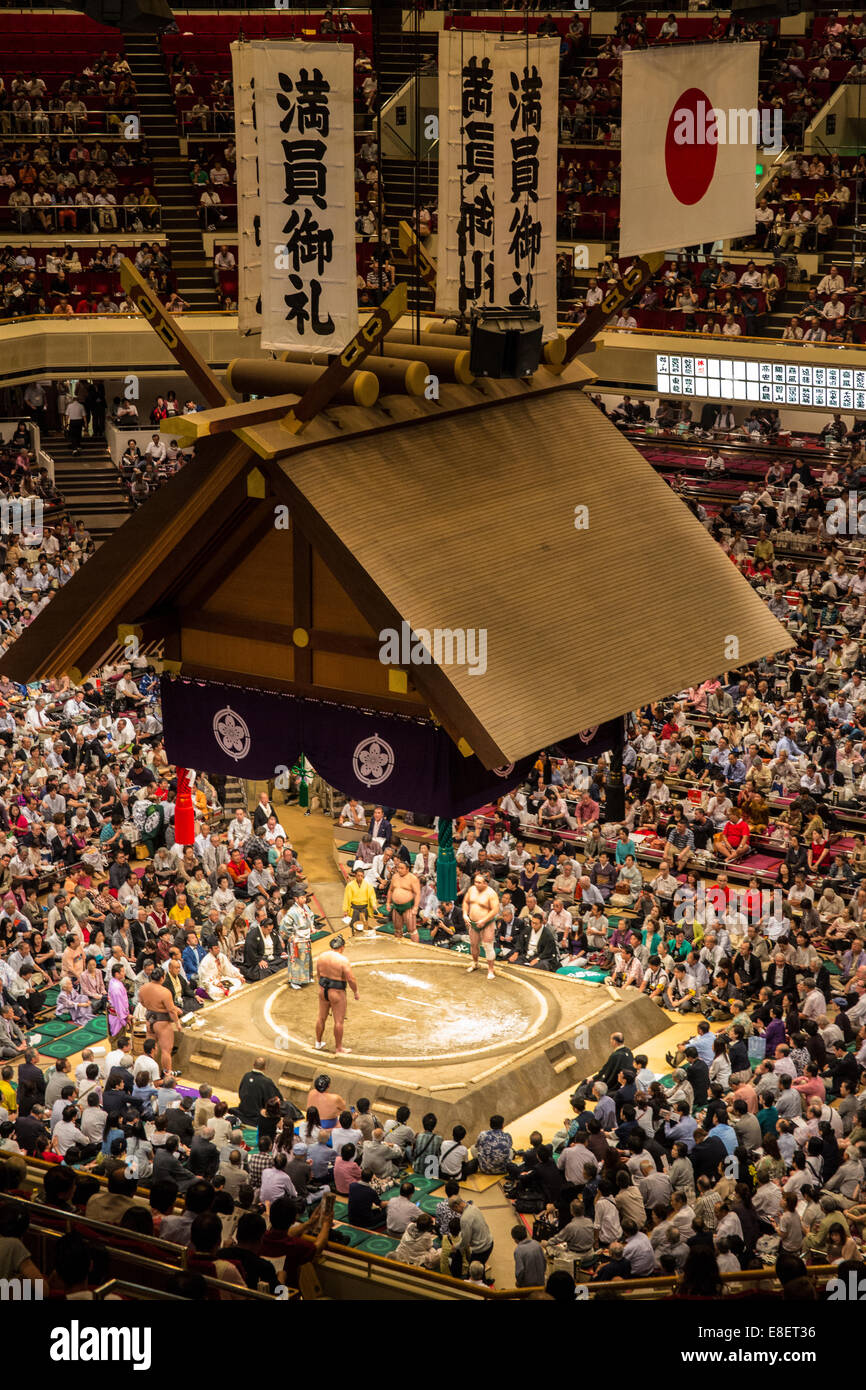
156 449
87 1059
401 1210
469 849
240 829
832 282
352 815
223 260
146 1062
217 975
37 717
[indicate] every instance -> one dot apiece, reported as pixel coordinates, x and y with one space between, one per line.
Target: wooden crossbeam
224 419
365 341
619 294
178 344
416 255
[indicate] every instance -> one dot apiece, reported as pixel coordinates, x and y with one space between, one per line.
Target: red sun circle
690 167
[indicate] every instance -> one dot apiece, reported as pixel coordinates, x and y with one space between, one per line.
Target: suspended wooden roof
456 514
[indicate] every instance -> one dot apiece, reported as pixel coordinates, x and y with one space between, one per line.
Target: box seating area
674 320
79 286
203 45
56 47
823 22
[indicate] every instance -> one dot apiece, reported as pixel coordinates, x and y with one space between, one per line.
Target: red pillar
184 815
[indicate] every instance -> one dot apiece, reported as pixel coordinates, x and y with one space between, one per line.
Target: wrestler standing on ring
404 895
480 908
163 1017
334 975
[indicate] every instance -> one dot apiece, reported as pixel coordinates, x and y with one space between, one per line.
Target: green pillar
446 864
300 769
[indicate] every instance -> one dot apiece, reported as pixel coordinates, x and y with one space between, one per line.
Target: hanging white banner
249 211
464 262
498 131
306 153
525 140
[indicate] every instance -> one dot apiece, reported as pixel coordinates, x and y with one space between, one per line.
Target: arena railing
665 1286
122 1288
719 338
349 1272
32 220
130 1253
192 126
125 314
341 1267
97 120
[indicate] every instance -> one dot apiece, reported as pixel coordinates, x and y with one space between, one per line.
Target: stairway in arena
90 485
173 189
400 54
402 192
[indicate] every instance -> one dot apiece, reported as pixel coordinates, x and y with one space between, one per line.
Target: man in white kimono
217 976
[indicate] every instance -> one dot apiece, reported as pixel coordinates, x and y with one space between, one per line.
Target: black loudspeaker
505 342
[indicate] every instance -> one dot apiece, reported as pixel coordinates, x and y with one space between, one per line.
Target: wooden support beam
446 703
178 344
259 630
364 342
639 272
226 419
415 254
313 692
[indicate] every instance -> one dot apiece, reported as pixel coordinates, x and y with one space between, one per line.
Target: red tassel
184 815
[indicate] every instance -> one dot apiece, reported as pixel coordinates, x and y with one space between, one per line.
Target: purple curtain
411 763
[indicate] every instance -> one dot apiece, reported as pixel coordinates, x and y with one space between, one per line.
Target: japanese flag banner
690 127
304 125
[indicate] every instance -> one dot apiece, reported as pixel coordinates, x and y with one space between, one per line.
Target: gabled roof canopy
459 515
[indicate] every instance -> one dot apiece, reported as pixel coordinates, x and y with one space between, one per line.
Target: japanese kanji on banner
498 124
690 125
304 142
249 209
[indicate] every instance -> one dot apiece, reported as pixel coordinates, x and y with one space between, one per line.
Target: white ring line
383 1014
390 960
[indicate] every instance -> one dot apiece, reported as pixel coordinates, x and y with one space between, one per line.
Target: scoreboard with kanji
776 383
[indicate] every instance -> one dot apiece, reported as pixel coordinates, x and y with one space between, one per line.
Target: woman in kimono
298 924
70 1001
92 985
